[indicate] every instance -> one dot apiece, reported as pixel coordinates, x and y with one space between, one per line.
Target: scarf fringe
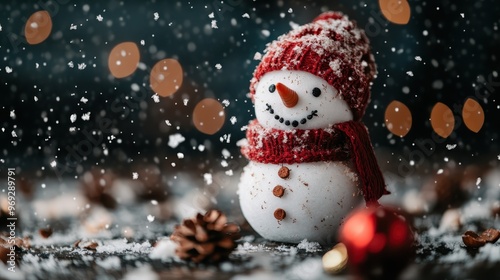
372 180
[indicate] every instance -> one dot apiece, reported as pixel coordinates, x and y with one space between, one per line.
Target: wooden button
279 214
284 172
278 191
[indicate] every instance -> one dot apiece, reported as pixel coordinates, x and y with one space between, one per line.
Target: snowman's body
315 197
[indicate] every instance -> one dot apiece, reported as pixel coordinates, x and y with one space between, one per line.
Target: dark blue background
462 52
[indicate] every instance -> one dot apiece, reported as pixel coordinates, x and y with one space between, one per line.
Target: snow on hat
331 47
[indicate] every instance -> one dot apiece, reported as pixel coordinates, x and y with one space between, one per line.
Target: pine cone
206 238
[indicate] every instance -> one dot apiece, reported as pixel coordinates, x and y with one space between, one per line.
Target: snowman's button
284 172
279 214
278 191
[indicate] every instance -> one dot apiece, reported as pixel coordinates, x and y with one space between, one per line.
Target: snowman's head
325 67
298 100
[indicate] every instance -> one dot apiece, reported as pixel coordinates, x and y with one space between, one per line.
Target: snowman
310 158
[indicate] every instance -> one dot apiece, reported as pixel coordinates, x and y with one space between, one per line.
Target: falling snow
45 105
451 146
175 139
156 98
208 178
86 116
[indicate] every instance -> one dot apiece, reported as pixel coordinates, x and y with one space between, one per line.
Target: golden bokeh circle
398 119
123 59
395 11
209 116
442 120
166 77
38 27
473 115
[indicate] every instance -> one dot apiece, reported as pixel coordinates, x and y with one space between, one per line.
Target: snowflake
218 66
84 100
8 69
246 15
81 66
451 146
208 178
53 163
86 116
73 27
135 175
99 17
70 64
211 15
156 98
72 118
175 139
156 16
214 24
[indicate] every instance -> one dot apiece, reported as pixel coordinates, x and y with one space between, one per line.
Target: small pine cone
205 238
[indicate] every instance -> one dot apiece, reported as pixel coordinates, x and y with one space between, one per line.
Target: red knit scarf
340 142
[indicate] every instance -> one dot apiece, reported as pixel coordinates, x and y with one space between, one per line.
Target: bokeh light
38 27
209 116
123 59
442 120
398 119
395 11
166 77
473 115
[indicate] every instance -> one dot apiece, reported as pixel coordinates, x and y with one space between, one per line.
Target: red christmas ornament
379 242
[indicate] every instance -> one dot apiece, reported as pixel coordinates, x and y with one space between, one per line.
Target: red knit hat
331 47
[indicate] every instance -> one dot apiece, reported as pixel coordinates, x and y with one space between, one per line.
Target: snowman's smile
294 123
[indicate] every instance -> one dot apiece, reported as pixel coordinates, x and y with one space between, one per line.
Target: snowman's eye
316 92
272 88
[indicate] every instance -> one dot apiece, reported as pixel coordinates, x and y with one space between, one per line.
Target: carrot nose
289 97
